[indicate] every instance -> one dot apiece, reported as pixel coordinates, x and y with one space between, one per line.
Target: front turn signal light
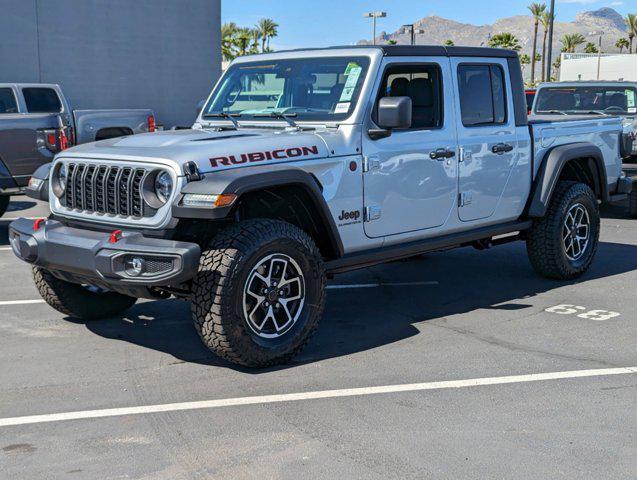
208 200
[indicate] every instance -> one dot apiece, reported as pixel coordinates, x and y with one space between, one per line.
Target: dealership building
159 54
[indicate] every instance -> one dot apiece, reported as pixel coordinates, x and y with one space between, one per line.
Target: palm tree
622 43
228 43
505 40
268 29
449 43
545 20
536 9
524 60
631 23
570 41
243 38
591 48
392 42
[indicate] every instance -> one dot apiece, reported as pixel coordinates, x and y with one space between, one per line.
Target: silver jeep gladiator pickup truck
305 164
36 122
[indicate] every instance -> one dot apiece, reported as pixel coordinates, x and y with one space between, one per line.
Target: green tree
545 20
591 48
228 43
570 42
505 40
622 43
524 60
449 43
267 29
392 42
244 37
631 23
536 9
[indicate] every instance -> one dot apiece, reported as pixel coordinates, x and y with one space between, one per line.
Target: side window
7 101
482 95
41 100
423 84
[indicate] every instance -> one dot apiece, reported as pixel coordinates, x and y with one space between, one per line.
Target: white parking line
376 285
4 249
292 397
20 302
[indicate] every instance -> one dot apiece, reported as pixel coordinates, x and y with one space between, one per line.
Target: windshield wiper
596 112
279 116
226 116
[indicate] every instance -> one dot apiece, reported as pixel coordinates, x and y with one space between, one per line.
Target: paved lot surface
466 315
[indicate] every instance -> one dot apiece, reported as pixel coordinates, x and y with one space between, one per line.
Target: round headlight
163 186
59 180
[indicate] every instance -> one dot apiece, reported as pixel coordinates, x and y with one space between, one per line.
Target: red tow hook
115 236
36 224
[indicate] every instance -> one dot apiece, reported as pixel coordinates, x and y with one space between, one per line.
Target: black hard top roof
426 51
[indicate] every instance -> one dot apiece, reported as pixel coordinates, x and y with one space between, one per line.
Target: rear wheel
259 292
4 204
78 301
562 244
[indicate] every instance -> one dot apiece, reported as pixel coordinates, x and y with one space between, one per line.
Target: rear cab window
41 100
8 102
482 91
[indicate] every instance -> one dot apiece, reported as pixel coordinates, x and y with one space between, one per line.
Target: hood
216 150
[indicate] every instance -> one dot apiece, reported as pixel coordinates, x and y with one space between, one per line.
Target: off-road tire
4 204
544 243
78 301
632 204
217 291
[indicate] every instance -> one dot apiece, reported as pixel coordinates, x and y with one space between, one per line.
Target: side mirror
393 113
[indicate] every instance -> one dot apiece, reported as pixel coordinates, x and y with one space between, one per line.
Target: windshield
587 99
312 89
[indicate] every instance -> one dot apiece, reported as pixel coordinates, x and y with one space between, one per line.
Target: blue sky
317 23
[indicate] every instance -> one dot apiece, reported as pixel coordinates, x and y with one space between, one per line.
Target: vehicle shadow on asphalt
16 206
356 320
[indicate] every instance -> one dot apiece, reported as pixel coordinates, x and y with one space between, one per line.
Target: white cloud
615 4
581 2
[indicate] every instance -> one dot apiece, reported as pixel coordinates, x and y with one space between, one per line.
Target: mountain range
434 30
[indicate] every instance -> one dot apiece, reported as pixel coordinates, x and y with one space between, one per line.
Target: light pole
412 29
374 16
599 49
550 49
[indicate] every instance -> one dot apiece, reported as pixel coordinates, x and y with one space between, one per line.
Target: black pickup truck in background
36 122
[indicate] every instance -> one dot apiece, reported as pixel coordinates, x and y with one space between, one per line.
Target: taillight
64 140
151 123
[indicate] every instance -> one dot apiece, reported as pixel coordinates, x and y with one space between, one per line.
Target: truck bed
549 131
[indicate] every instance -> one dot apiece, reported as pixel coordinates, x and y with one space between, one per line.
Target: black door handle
441 154
501 148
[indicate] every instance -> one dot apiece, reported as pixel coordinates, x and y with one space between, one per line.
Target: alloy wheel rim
273 296
576 231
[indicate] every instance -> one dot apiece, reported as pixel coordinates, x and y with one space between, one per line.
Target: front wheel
562 244
79 301
259 292
4 204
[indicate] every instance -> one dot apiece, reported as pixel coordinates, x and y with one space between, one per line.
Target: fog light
135 266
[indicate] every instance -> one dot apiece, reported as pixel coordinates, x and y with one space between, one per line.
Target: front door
488 145
410 182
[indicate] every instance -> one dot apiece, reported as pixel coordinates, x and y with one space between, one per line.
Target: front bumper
86 256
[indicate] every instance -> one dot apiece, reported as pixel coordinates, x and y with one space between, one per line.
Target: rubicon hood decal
280 154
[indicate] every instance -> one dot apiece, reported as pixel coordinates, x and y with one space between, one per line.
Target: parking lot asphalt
450 316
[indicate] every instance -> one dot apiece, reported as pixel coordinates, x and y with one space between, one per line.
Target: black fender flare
551 167
238 181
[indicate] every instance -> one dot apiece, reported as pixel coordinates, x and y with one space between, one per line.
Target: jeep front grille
106 189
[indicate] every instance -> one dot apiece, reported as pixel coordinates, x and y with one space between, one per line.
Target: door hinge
465 155
465 198
372 212
370 163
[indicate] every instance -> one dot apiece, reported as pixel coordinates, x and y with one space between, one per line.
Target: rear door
487 135
407 186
